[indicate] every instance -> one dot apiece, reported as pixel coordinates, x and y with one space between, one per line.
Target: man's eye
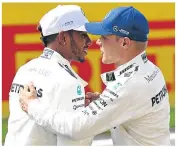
84 35
103 37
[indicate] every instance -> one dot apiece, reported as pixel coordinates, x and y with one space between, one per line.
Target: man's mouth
102 52
86 49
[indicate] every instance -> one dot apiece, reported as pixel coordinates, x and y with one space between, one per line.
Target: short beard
80 60
74 49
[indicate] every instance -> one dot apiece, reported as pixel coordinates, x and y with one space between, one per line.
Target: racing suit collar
53 55
111 76
84 83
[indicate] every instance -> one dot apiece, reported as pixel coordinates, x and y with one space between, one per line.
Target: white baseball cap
63 18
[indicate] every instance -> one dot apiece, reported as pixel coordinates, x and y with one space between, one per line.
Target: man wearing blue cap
134 104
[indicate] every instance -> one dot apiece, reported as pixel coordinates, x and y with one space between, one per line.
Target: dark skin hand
26 95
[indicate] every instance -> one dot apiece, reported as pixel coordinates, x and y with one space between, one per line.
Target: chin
104 61
81 60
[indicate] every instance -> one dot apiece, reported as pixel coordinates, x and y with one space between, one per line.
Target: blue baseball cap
123 22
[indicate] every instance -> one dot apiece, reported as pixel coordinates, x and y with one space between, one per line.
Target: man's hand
26 95
89 97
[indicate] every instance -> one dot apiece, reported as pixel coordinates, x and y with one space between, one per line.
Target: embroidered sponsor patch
79 90
110 76
15 88
126 69
78 106
144 57
151 77
77 99
127 74
117 85
136 68
159 96
112 92
47 53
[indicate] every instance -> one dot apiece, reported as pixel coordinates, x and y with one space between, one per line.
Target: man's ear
61 38
125 42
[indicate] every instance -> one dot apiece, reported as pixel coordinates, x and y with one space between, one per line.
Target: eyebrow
83 33
103 36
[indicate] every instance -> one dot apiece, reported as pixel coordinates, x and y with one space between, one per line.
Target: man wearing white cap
65 39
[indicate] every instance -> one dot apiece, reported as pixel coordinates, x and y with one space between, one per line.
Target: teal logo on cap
115 28
79 91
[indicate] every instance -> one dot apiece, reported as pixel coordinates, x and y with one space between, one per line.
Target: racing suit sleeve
118 103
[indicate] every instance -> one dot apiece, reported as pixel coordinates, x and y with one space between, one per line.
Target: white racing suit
134 105
57 85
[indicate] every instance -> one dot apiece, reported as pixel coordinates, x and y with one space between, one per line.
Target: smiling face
79 43
72 45
111 48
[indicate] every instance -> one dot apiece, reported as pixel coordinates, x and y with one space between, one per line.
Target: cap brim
96 28
81 28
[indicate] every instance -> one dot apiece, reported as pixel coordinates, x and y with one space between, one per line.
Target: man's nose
98 42
89 41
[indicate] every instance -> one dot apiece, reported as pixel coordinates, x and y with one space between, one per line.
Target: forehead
80 32
109 36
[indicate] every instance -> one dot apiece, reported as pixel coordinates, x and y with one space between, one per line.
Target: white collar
53 55
139 60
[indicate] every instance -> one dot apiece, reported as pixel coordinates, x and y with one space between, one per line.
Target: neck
128 57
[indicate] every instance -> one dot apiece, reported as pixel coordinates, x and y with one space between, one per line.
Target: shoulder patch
129 70
127 74
136 68
144 57
121 80
126 69
47 53
110 76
